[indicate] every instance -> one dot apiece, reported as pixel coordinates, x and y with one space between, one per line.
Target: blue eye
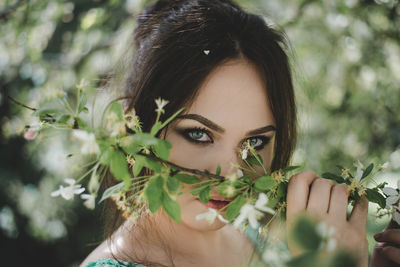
259 142
197 135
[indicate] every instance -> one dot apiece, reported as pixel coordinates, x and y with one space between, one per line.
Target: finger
389 235
392 253
338 202
298 190
318 201
358 216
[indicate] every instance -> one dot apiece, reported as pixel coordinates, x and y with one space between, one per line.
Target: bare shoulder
101 252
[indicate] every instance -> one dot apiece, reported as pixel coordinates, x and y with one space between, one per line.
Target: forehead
234 94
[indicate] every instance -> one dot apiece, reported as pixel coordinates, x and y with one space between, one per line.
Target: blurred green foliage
346 62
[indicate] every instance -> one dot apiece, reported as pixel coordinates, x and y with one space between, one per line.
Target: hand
387 249
327 202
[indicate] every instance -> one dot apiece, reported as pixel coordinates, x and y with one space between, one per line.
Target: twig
194 171
19 103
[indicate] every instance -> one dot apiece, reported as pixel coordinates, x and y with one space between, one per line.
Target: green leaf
81 124
156 127
204 195
171 207
64 118
307 259
112 190
138 166
172 184
253 160
304 234
106 155
282 189
117 109
82 101
153 192
119 166
218 171
290 168
376 197
234 207
129 145
197 190
333 177
264 183
227 189
186 178
148 163
162 149
367 171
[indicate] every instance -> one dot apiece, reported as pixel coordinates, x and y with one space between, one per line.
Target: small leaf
304 234
253 160
264 183
376 197
204 194
218 171
82 101
227 189
308 259
112 190
148 163
234 207
119 166
64 118
117 109
186 178
367 170
156 127
171 207
172 184
290 168
162 149
333 177
153 192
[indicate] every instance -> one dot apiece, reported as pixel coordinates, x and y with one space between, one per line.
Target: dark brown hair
169 60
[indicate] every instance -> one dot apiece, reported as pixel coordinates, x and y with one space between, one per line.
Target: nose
226 157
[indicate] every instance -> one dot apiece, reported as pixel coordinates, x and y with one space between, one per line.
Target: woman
230 72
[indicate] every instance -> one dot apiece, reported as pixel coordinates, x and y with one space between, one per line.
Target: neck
162 239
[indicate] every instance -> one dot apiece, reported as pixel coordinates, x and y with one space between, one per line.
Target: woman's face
230 108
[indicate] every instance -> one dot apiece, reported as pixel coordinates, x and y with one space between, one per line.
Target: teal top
253 235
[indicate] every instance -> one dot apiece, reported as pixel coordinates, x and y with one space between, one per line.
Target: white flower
161 104
89 145
206 52
359 171
393 195
239 173
326 232
244 153
90 200
384 166
210 216
396 214
253 213
69 191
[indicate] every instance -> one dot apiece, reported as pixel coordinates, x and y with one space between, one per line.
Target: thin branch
194 171
8 11
19 103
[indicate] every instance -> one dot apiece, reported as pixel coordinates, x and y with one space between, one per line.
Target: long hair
169 61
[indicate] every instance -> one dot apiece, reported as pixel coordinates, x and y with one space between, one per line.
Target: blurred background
346 60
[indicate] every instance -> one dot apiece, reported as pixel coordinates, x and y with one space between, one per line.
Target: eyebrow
217 128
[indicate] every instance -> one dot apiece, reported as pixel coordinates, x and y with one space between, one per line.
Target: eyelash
186 134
